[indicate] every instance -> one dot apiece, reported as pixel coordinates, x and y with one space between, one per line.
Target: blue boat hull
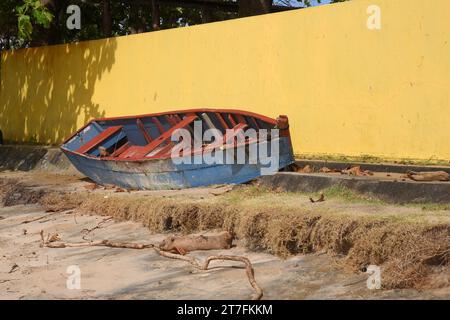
165 174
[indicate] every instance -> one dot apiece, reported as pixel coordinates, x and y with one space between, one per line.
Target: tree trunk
107 18
254 7
207 15
155 16
137 19
52 33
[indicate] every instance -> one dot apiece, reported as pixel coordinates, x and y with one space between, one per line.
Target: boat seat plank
222 121
105 134
241 118
163 152
166 135
231 119
131 152
255 123
226 138
140 152
144 132
171 119
236 130
208 120
158 125
121 149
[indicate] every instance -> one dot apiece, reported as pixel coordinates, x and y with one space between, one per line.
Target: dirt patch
410 252
14 193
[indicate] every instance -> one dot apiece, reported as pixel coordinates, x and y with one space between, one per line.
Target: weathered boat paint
163 173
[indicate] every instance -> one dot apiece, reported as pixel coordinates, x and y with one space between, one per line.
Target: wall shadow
46 92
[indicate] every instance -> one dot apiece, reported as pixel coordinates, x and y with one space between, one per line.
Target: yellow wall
347 89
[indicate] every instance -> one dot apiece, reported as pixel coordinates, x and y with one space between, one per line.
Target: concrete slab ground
393 188
375 167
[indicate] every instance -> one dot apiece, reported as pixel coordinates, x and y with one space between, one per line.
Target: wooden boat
136 152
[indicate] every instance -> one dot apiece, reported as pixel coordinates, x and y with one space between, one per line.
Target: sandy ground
110 273
28 271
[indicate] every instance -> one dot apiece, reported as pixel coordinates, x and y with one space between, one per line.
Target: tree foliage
25 23
32 11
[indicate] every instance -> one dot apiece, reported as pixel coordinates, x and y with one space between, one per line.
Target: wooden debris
7 280
254 182
279 189
222 190
191 260
204 266
53 237
14 268
185 244
38 218
99 243
428 176
328 170
321 199
91 186
305 169
98 226
42 238
296 168
357 171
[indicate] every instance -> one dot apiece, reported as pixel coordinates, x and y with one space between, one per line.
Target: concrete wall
348 90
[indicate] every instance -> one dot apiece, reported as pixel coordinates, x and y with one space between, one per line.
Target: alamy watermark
374 19
235 146
74 19
73 281
374 280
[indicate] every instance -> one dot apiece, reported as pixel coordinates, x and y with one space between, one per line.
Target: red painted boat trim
98 139
165 152
143 130
141 152
233 111
171 120
255 123
158 125
177 117
221 120
240 118
236 130
233 123
120 150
